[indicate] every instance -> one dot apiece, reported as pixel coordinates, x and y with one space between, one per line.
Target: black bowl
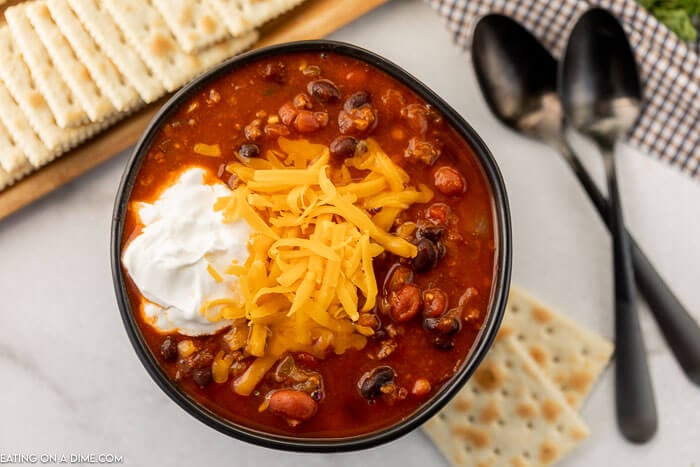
499 289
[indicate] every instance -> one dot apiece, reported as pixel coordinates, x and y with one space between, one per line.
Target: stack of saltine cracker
520 407
71 68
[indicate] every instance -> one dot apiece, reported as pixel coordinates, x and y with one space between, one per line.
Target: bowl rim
502 264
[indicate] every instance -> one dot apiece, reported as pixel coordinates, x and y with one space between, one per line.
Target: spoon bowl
518 77
600 88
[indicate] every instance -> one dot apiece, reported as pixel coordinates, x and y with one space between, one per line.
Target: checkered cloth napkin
669 127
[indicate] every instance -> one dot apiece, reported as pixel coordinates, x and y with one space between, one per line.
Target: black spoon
602 98
518 78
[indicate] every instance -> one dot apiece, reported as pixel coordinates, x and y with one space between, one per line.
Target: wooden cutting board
312 20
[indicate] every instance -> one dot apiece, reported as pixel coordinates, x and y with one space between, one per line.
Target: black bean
324 90
343 146
370 384
356 100
431 233
444 325
202 376
249 150
427 256
168 349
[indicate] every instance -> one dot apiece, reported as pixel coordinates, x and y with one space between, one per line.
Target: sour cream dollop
182 237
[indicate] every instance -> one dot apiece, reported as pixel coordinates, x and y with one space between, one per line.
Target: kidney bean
287 113
438 213
306 122
434 303
356 100
371 383
324 90
405 303
449 182
276 129
249 150
322 118
168 349
202 376
343 147
427 256
294 406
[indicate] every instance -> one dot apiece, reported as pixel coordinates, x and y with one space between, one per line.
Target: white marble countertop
72 384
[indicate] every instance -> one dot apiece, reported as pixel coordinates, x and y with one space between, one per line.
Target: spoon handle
634 395
680 330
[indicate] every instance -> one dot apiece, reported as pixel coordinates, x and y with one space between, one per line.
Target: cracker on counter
571 355
65 108
508 414
146 31
107 78
99 23
12 158
20 129
19 83
70 68
194 23
243 15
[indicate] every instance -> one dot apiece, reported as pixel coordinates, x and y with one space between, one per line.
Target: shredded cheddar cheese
309 273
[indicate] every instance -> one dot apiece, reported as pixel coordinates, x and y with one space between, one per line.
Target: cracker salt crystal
65 108
99 23
148 34
571 355
508 414
243 15
21 130
194 23
70 68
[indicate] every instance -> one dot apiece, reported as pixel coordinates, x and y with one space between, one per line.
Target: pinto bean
302 101
419 150
427 257
324 90
371 383
434 303
449 182
405 303
357 121
294 406
287 113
